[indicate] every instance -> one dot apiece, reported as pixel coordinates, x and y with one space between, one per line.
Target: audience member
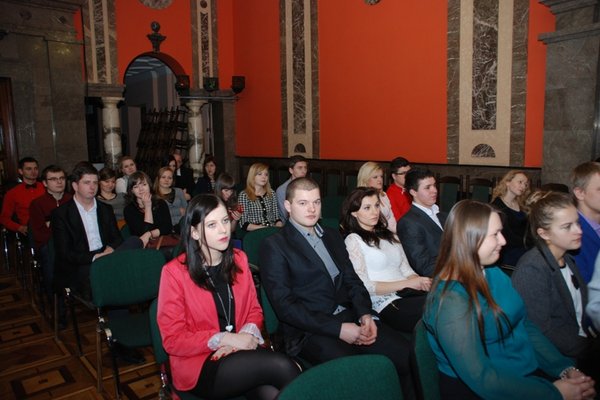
170 162
184 177
108 195
549 282
370 175
420 229
323 306
258 200
206 183
127 167
397 193
509 196
225 190
477 325
585 181
16 202
146 213
593 306
397 292
298 168
174 196
84 230
40 209
209 316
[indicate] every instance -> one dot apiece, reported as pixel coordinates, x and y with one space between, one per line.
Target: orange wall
382 72
256 52
133 24
540 20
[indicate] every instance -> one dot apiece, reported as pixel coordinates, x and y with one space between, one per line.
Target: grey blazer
420 237
547 298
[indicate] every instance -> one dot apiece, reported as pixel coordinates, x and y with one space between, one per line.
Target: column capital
195 104
111 101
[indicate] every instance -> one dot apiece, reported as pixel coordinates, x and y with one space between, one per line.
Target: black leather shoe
128 354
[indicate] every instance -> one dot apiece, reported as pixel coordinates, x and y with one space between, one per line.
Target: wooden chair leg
71 304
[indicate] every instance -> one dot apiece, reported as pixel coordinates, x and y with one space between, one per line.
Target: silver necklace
229 327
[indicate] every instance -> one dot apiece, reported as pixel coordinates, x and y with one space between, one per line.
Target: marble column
572 54
111 129
196 135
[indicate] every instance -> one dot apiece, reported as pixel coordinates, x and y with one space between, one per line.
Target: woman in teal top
477 325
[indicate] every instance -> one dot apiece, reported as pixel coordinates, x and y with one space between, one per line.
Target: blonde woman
127 167
509 196
258 200
370 175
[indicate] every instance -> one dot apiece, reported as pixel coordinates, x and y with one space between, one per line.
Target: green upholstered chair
450 191
122 279
333 184
331 206
330 222
252 241
125 232
162 358
347 378
424 365
479 189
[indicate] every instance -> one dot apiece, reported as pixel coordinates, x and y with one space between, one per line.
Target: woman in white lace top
397 292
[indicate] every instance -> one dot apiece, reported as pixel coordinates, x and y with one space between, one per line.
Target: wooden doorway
8 144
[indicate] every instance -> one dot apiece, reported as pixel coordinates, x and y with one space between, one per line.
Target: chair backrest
271 320
332 206
347 378
160 355
126 277
450 191
480 189
252 241
424 365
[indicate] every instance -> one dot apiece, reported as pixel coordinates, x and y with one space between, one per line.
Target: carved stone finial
155 37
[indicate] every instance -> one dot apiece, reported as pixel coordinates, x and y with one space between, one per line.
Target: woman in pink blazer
209 317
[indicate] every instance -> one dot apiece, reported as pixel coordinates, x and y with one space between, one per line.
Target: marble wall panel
204 50
519 82
453 99
298 62
485 64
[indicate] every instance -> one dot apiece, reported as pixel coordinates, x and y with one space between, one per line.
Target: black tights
258 374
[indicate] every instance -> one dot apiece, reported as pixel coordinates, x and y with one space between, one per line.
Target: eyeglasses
55 179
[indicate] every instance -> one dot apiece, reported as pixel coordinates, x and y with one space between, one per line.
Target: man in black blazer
84 229
323 306
420 229
184 177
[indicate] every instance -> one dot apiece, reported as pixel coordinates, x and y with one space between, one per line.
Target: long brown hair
458 260
254 170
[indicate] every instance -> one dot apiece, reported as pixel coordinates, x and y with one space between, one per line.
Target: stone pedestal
111 131
196 152
571 84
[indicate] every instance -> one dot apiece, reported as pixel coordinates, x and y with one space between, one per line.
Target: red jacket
399 199
187 317
40 210
16 202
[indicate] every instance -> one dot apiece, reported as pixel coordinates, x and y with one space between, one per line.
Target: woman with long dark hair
209 316
146 212
477 325
397 292
225 190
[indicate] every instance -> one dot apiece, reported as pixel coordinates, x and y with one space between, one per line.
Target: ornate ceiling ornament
372 2
156 4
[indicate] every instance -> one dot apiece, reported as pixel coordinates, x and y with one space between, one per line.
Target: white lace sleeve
358 261
252 329
405 268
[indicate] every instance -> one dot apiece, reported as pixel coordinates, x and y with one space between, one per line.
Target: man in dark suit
184 177
83 230
323 306
420 229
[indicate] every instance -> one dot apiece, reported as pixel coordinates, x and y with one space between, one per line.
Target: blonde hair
365 172
157 181
254 170
501 188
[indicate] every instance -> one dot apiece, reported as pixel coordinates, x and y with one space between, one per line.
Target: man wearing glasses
54 180
397 193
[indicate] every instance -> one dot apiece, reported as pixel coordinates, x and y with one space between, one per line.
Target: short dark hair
295 159
415 176
300 184
82 169
51 168
107 173
24 160
398 162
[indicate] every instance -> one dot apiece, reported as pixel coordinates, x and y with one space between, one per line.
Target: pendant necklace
229 326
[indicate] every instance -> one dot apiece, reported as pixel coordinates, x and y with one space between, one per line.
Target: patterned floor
34 364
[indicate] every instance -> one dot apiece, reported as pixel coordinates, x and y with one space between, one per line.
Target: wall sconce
238 84
210 84
182 85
